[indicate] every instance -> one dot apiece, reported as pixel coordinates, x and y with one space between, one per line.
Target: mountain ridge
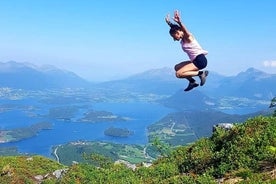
31 77
252 83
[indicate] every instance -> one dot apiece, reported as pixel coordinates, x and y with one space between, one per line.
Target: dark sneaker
191 86
203 77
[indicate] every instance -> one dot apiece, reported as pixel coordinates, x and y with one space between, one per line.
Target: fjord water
141 115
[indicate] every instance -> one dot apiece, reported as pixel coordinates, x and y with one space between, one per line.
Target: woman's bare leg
188 70
180 65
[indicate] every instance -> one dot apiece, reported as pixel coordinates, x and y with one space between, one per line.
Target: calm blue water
141 114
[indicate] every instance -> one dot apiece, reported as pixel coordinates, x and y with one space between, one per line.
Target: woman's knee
178 66
179 74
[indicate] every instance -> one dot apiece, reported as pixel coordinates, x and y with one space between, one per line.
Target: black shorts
200 61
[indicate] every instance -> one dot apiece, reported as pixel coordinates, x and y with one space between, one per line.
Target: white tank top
193 49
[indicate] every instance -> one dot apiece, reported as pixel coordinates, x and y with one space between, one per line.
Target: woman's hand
167 19
176 17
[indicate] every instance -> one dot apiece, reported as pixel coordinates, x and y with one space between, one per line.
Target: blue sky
111 39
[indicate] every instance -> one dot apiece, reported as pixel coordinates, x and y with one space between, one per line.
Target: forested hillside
244 154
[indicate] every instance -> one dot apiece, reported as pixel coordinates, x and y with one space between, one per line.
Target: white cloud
269 63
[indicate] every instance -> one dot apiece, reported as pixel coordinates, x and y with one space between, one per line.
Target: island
101 116
118 132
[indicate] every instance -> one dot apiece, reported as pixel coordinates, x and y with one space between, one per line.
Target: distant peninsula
118 132
22 133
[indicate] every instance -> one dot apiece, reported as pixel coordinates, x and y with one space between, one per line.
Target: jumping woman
198 61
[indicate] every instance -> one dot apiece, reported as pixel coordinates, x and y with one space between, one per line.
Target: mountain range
251 84
30 77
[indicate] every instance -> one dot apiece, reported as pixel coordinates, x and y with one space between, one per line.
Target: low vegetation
244 154
24 169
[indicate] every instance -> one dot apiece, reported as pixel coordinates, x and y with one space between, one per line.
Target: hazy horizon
48 66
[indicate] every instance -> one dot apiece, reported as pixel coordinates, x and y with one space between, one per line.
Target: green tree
163 148
99 160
